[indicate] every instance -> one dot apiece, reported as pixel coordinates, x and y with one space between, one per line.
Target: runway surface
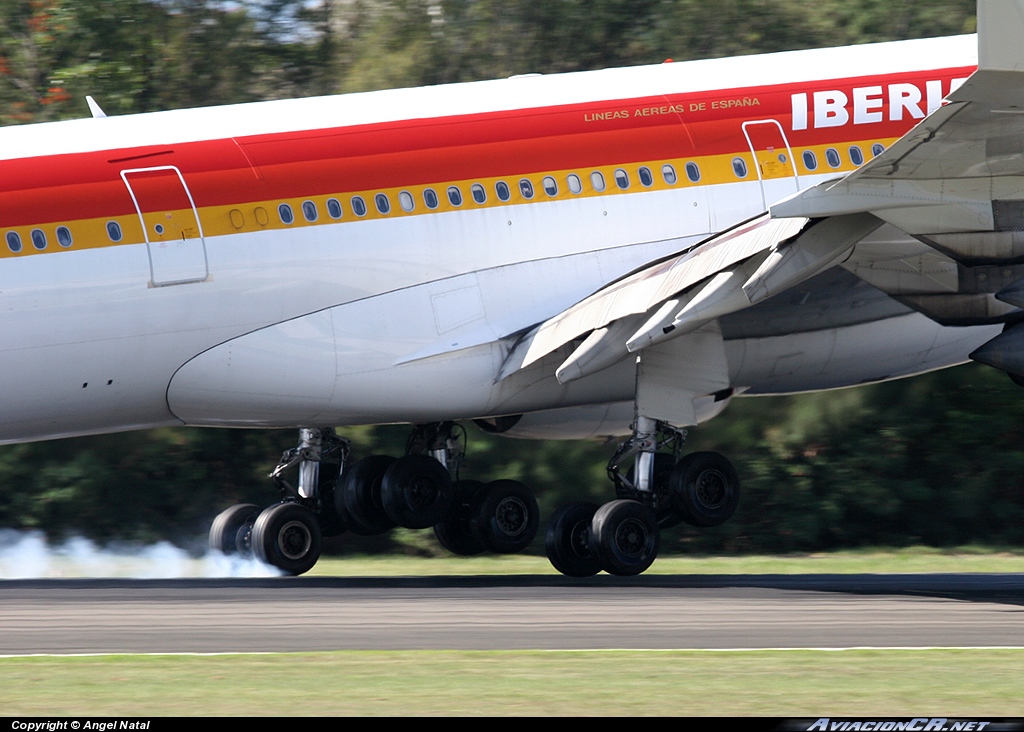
519 612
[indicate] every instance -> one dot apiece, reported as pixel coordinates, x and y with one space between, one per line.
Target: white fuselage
406 316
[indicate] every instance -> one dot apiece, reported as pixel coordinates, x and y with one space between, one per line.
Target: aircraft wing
936 222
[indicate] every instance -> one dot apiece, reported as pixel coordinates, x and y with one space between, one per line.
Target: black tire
668 514
567 540
465 492
417 492
224 530
455 536
359 499
287 536
454 533
332 514
625 537
504 517
706 489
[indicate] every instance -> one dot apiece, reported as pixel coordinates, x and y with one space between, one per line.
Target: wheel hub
631 537
294 540
512 516
422 493
579 538
243 540
711 488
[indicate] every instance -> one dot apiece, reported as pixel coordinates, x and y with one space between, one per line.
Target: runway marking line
824 649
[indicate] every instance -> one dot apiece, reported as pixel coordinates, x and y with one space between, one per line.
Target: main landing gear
372 496
660 490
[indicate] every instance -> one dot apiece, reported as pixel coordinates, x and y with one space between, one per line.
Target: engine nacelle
1005 352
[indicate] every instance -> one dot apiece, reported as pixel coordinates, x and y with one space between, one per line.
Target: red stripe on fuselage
410 152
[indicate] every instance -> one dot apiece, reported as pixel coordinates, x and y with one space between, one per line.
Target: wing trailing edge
684 293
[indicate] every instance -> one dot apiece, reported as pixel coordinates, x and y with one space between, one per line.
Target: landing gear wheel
359 499
287 536
454 533
625 537
417 492
666 511
706 488
224 530
505 517
567 540
455 536
332 515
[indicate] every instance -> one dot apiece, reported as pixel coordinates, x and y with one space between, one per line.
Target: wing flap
653 285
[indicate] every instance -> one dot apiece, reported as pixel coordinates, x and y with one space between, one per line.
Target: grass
871 561
688 683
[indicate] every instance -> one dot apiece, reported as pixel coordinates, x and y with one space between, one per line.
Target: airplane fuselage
370 258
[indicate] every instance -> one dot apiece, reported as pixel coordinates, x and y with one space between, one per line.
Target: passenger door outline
170 224
776 171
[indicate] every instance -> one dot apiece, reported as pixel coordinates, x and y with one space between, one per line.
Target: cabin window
668 173
810 160
13 241
358 206
597 180
574 183
38 239
693 172
64 236
550 186
113 231
739 167
334 208
309 211
454 196
877 149
832 157
646 179
430 198
621 178
383 203
526 188
406 201
479 194
856 156
501 188
285 212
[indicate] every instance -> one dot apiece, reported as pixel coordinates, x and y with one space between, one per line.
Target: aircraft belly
419 353
91 316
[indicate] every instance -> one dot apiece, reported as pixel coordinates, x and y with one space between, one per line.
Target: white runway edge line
526 650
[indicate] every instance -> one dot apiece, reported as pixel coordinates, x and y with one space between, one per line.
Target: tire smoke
28 555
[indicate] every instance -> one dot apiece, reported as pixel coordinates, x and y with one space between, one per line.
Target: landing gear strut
659 490
419 490
288 535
